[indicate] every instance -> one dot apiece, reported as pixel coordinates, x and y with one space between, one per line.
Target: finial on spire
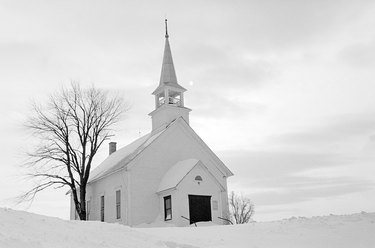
166 29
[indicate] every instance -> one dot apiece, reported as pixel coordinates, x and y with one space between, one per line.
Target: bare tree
70 128
241 208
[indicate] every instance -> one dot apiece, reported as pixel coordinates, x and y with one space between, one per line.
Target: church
168 177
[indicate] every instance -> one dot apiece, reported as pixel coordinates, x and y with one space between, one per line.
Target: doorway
199 208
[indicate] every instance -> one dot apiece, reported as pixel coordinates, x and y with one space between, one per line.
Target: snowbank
25 230
22 229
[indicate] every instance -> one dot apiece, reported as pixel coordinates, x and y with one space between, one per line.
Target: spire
168 74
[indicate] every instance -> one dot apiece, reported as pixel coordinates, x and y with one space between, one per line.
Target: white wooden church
167 177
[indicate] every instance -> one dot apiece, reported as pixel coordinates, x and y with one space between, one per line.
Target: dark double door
199 208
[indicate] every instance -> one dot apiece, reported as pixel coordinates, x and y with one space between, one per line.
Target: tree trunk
82 197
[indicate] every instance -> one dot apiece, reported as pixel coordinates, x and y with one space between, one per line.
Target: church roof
123 156
176 173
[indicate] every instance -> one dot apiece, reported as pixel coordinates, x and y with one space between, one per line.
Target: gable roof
123 156
174 176
176 173
221 166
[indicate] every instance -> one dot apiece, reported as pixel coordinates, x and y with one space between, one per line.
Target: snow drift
23 229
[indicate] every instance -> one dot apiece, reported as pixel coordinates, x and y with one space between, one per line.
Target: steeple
169 95
168 73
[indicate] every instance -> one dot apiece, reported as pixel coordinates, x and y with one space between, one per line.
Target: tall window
102 208
118 204
88 210
167 208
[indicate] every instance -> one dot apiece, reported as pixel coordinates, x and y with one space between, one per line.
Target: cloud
214 105
338 130
252 166
358 54
266 26
286 174
212 65
20 54
309 189
277 178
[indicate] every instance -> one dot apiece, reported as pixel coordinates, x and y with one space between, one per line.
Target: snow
123 156
355 230
22 229
176 173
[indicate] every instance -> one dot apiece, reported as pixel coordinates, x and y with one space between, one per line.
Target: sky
282 91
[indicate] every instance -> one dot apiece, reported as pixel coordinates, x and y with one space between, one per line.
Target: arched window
198 178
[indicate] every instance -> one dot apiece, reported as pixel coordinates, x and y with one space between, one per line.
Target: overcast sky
282 91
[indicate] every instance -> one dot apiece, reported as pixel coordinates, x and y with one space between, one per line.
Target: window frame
102 207
118 204
167 210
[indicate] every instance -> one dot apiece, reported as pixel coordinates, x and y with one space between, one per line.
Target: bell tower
169 95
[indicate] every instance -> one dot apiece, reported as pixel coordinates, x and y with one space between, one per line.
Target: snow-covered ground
23 229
